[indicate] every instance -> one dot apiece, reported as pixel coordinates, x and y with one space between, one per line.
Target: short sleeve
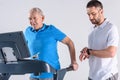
113 37
57 34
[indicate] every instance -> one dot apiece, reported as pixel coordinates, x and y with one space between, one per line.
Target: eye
30 18
34 18
93 14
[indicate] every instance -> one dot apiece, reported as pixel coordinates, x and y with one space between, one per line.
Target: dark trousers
4 76
114 77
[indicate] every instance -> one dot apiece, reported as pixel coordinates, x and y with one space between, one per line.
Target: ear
101 11
43 17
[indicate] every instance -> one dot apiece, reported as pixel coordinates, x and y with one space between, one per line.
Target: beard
95 21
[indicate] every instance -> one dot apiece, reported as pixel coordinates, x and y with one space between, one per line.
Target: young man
42 41
102 45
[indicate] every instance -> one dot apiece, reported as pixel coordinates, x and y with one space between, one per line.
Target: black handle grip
70 68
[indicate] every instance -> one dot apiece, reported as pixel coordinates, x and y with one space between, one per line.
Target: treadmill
13 54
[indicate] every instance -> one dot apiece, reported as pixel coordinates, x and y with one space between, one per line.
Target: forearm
105 53
71 47
100 53
73 59
72 53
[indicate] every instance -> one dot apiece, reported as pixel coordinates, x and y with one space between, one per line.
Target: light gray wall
68 15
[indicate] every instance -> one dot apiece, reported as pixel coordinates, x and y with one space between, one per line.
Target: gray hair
38 10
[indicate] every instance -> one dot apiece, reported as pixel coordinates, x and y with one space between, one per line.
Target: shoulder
51 27
111 26
29 28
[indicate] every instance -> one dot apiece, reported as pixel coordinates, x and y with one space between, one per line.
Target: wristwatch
88 51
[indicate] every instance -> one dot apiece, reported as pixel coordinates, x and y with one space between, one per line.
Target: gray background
68 15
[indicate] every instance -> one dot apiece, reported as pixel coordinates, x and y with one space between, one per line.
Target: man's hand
83 54
75 66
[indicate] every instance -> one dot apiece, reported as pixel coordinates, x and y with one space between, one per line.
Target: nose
90 17
31 20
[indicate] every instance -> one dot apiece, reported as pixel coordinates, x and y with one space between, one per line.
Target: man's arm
70 45
105 53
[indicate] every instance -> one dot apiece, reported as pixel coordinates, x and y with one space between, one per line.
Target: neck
102 20
39 27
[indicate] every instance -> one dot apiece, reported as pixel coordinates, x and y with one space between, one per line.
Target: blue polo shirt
44 43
